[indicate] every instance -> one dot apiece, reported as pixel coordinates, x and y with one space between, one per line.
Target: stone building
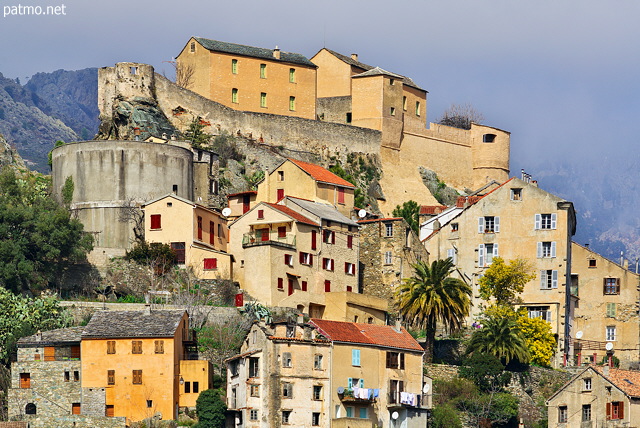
197 234
607 309
327 374
249 78
516 220
388 249
597 397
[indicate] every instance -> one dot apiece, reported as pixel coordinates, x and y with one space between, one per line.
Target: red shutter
304 285
156 221
401 361
265 234
212 234
340 195
199 228
245 204
327 286
210 264
310 259
290 286
608 411
301 257
280 284
349 241
333 237
313 239
621 410
282 232
346 268
280 194
260 214
618 285
332 264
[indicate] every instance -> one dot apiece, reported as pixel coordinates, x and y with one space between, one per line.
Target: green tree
485 371
195 133
431 296
160 257
500 336
67 191
410 211
39 240
210 409
445 416
57 144
539 339
504 282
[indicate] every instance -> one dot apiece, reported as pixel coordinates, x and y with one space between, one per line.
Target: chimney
397 327
300 319
605 370
586 246
147 309
276 53
38 336
626 264
534 182
354 56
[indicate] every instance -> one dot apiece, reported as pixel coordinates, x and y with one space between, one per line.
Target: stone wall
333 109
76 421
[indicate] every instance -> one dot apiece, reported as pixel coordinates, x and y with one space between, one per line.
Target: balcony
407 399
257 238
349 395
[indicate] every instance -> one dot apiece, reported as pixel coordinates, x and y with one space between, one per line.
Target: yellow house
329 374
241 202
197 234
249 78
515 220
597 397
308 181
607 309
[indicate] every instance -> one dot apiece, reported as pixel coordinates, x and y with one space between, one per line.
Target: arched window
488 138
30 409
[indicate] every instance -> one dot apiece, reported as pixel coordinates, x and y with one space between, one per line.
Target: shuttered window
137 377
156 221
136 346
159 346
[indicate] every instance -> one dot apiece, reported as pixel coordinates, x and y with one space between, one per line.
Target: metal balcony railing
257 238
398 398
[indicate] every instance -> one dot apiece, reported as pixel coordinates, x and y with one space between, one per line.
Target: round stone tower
489 155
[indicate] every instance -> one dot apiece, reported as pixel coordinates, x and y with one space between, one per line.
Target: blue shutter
495 250
355 357
361 383
349 382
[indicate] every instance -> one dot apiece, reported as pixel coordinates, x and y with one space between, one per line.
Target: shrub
445 416
210 409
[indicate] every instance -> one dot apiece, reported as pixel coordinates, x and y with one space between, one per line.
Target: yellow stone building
515 220
248 78
328 374
607 309
197 234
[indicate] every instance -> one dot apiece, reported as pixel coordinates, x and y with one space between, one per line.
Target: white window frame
388 258
388 230
485 222
483 255
453 255
546 249
610 333
546 282
542 222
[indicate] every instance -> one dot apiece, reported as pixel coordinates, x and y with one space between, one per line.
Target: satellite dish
341 390
579 335
426 388
226 212
362 213
394 415
608 346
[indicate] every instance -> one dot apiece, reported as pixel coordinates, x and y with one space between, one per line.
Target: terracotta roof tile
248 192
321 174
291 213
369 334
627 380
432 209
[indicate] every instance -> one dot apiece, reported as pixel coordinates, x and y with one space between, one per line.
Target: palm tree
501 337
431 296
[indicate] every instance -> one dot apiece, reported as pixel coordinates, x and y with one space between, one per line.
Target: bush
445 416
210 409
485 371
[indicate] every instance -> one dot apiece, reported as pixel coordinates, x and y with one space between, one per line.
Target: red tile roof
291 213
432 209
319 173
627 380
248 192
368 334
372 220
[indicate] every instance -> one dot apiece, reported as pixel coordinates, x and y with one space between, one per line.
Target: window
355 382
156 221
67 375
178 248
395 360
317 362
486 253
548 279
392 111
288 260
108 410
388 229
287 390
350 241
25 380
516 194
315 419
234 95
212 234
545 221
317 392
610 333
233 367
234 66
292 103
304 286
611 286
539 312
488 224
111 346
546 249
292 75
196 387
327 264
355 357
586 412
586 384
30 409
306 259
280 284
254 367
199 228
348 118
286 359
452 254
254 390
327 286
187 387
263 71
158 346
592 263
404 102
282 231
328 236
136 346
137 377
149 403
350 268
611 310
260 214
192 47
349 412
562 414
417 108
488 138
253 415
454 227
388 258
280 175
391 82
286 415
341 196
111 377
210 264
76 376
75 408
362 413
263 99
615 410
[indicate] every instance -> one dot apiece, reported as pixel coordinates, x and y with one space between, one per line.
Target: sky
561 76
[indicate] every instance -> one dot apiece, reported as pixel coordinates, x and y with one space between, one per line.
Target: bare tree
222 339
130 212
184 74
461 116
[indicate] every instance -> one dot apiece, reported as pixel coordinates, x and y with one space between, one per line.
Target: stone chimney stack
354 56
276 53
147 309
398 327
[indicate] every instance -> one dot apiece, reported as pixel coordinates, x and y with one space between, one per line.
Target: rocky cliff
9 156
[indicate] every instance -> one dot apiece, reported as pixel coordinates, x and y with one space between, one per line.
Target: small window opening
488 138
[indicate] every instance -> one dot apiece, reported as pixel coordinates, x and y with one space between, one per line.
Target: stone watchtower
489 154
